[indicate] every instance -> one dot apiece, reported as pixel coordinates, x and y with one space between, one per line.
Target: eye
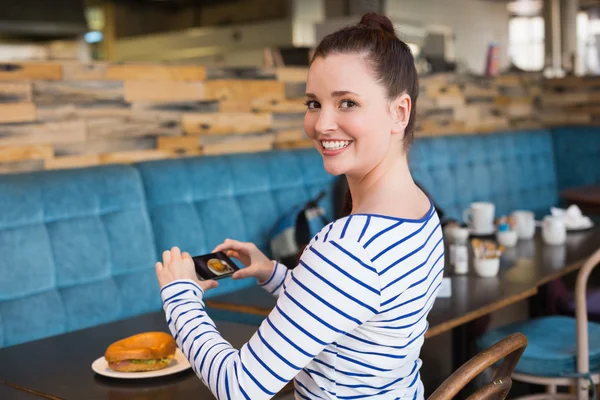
348 104
311 104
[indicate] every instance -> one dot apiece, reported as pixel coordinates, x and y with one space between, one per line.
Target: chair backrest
508 349
583 362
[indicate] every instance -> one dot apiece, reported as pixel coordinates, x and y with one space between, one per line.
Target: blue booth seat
79 246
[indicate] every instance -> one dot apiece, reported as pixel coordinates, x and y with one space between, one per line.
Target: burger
147 351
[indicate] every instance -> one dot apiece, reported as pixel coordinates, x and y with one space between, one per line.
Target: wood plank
295 90
127 157
300 144
99 128
164 91
21 166
61 112
77 71
176 143
20 153
64 162
98 146
156 72
226 123
17 112
286 121
30 71
292 74
233 106
42 133
240 144
77 92
281 106
290 135
245 90
15 92
180 107
214 73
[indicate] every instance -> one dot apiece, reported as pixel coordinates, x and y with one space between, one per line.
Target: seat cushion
577 152
552 345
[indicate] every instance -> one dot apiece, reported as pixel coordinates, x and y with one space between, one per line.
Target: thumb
243 273
207 285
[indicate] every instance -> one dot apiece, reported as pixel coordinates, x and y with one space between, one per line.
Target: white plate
581 228
488 232
179 363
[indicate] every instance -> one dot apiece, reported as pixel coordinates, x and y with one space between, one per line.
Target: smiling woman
350 318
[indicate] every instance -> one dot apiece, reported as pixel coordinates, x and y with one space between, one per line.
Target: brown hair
390 59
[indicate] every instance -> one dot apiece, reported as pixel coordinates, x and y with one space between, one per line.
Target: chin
334 168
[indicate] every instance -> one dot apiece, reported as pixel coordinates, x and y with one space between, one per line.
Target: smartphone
214 266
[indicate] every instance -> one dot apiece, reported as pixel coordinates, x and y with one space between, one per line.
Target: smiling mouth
335 144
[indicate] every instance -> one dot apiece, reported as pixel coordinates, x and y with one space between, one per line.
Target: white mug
554 231
480 217
525 224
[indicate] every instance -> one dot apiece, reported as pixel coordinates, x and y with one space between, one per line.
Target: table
524 268
586 197
9 393
61 365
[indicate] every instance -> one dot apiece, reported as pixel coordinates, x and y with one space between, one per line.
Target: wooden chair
509 350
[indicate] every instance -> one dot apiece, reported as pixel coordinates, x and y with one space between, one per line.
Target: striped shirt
349 322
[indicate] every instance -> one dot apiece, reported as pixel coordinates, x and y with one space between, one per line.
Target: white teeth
335 145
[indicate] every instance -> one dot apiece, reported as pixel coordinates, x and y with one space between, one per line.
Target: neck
389 180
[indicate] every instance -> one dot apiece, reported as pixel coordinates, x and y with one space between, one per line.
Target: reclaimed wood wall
66 115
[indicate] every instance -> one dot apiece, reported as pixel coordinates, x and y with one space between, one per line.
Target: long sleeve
333 290
280 277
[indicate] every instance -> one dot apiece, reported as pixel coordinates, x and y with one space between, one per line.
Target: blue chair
562 351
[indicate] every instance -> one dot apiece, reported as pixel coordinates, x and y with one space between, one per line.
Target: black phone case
214 266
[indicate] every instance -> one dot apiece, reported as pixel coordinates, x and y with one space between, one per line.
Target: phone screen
214 266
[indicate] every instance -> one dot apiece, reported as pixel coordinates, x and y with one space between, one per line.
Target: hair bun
377 21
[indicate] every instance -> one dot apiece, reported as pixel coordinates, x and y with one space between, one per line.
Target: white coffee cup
525 221
554 230
480 217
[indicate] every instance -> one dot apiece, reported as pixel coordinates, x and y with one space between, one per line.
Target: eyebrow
336 93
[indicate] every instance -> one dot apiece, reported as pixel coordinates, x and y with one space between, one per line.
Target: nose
326 122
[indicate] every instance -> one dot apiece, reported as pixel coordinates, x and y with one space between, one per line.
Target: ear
400 112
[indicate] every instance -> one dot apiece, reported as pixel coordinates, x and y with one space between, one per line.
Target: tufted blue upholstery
196 203
78 246
515 170
577 152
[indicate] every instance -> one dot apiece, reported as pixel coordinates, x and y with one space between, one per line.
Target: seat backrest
77 250
583 359
577 151
509 350
514 170
196 203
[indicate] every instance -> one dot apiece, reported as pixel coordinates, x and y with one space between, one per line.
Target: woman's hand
257 264
177 265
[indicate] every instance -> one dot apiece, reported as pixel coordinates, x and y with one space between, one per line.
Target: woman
350 318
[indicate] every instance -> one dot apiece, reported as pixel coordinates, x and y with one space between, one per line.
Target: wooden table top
11 393
524 268
589 195
61 365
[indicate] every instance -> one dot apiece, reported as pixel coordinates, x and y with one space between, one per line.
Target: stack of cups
459 254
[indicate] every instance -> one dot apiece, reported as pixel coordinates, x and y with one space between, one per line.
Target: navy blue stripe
219 373
342 292
390 347
305 388
362 396
264 389
199 325
365 228
414 380
238 381
265 366
268 346
404 239
309 372
175 283
206 354
280 283
299 327
200 347
179 305
346 227
210 367
177 294
327 234
363 386
418 282
328 304
414 251
306 310
363 364
343 372
227 384
344 272
413 299
371 352
417 321
301 395
294 345
389 228
352 256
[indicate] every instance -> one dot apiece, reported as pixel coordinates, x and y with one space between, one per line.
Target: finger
158 267
236 245
166 257
207 285
185 254
175 253
242 273
233 254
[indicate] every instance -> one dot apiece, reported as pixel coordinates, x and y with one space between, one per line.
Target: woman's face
349 116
